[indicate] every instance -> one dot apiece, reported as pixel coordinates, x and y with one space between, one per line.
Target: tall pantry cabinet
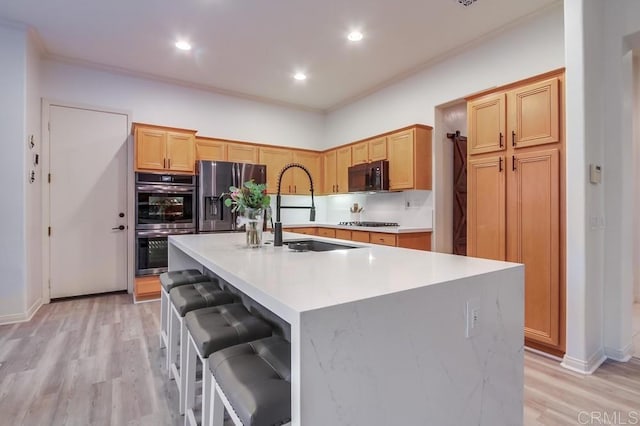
515 190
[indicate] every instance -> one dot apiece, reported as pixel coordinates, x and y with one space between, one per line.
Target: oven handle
163 233
164 189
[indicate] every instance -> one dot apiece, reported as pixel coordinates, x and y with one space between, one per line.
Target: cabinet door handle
513 138
164 163
500 165
337 187
501 143
295 189
169 163
333 188
513 163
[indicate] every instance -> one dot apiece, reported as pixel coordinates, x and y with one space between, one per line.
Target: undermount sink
314 245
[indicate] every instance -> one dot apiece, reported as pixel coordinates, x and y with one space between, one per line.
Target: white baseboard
620 355
22 317
584 367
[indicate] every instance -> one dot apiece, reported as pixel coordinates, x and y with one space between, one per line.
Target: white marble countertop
385 229
289 282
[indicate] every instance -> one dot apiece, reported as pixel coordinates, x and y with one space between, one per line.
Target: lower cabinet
306 230
147 287
412 240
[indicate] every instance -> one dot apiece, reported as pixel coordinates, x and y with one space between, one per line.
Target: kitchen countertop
384 229
289 282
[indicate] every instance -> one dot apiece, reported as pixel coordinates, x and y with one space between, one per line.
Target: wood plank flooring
97 361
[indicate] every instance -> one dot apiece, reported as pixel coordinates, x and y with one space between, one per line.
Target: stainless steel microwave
372 176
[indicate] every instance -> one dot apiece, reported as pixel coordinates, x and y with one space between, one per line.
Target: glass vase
254 222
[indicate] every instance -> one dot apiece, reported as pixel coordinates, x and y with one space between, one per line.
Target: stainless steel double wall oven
165 205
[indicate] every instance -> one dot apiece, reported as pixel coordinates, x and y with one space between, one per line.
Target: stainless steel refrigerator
214 180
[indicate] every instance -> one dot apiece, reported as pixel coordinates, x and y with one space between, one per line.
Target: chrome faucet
277 228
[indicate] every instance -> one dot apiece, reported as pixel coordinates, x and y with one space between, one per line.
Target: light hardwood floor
97 360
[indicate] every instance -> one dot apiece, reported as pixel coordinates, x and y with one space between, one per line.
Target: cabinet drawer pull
501 143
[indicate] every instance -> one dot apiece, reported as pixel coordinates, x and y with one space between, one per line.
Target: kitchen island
383 335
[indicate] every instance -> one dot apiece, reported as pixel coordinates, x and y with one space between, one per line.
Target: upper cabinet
164 149
242 153
313 162
211 149
295 180
409 154
275 159
486 121
527 115
534 114
336 170
370 150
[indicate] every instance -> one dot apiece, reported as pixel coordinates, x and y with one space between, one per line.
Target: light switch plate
472 318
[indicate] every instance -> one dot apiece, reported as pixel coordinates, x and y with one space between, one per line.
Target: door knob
121 214
120 228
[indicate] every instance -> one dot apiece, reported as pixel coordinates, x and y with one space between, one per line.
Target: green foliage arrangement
251 195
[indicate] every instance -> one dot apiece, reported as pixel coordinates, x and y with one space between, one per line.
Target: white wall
33 195
156 102
621 20
13 43
530 48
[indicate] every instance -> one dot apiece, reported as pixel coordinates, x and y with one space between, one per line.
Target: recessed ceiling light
355 36
300 76
183 45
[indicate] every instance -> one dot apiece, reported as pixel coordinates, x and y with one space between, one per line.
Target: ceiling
253 47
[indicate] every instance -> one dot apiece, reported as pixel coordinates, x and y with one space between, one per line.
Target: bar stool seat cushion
256 379
186 298
173 279
219 327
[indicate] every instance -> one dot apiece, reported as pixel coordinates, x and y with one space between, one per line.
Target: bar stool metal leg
164 326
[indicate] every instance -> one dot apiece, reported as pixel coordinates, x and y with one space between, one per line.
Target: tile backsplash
408 208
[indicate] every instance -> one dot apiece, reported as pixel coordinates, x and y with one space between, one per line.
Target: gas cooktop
371 224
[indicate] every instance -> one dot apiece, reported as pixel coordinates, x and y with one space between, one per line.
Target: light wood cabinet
533 238
242 153
514 203
486 214
275 159
211 149
164 149
359 236
305 230
409 153
533 112
327 232
313 162
336 170
147 287
382 238
343 234
486 124
378 149
360 153
369 150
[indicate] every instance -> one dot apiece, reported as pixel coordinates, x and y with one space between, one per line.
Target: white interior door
88 198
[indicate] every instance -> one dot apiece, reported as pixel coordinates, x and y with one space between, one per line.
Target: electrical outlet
473 318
